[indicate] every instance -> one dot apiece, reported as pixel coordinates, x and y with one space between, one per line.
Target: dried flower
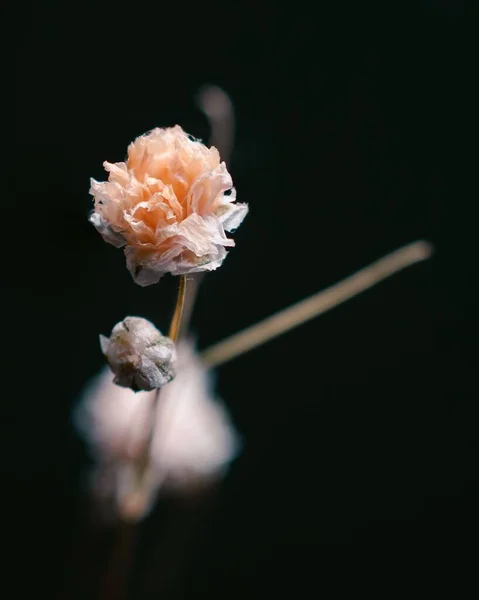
140 357
193 439
169 205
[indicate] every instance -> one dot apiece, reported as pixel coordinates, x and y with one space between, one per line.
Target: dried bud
140 357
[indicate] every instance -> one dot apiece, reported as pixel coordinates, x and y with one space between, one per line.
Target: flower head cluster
170 204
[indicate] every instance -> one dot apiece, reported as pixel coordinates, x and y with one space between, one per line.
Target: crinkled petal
118 172
169 196
231 215
206 189
147 266
200 235
103 227
139 227
186 266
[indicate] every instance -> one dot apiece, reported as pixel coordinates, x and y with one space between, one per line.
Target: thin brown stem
317 304
175 326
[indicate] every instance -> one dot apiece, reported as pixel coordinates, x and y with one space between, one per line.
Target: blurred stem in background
315 305
219 110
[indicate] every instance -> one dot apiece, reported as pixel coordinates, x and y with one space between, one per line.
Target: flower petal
103 227
231 215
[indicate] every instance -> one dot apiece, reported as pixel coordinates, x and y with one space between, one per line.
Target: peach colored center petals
170 204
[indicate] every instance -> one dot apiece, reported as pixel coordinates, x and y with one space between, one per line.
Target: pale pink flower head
193 440
170 204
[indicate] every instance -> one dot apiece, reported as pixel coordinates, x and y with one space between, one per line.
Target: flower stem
175 327
315 305
219 110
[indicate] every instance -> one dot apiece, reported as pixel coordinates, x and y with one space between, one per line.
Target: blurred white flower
193 438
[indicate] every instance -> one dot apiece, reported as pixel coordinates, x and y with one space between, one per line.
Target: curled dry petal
170 204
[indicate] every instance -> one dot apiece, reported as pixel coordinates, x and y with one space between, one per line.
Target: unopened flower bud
139 355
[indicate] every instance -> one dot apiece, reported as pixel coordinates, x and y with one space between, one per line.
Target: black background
360 469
